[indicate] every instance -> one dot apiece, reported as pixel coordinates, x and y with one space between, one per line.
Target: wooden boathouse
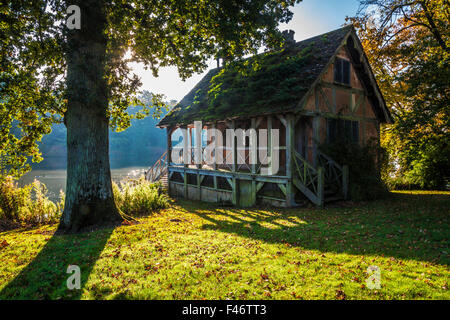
311 91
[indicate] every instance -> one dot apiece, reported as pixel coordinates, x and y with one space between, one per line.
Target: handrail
158 169
328 159
334 173
310 179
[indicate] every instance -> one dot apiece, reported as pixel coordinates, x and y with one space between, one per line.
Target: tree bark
89 202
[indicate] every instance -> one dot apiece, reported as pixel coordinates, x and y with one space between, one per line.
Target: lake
55 180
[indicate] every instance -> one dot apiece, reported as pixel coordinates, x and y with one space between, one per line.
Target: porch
283 168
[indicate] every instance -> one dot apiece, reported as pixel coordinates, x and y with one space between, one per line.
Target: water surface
55 180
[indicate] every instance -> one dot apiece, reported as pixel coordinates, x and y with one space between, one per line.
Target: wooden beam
269 144
282 119
233 147
320 186
253 145
186 153
259 185
199 188
316 139
216 150
284 190
253 156
333 97
258 122
341 87
335 116
198 145
230 175
169 144
290 128
169 154
327 103
235 191
185 185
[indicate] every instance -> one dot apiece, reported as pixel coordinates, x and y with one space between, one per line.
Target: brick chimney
288 37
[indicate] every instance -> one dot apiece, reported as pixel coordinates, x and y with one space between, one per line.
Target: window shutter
355 131
346 72
338 70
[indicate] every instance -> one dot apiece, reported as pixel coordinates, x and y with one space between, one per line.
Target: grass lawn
199 251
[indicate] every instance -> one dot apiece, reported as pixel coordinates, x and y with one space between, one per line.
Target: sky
311 18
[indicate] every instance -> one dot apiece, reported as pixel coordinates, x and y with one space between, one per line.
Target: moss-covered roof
271 82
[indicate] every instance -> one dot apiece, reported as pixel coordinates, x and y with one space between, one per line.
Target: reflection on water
55 180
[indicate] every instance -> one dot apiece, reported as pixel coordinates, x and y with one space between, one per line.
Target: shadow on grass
407 226
46 276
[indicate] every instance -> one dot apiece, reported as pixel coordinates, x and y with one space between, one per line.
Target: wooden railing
158 169
334 173
309 179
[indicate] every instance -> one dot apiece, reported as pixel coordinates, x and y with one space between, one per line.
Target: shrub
29 203
364 164
139 197
13 200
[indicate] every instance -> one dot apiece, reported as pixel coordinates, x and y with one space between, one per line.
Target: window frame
342 71
343 129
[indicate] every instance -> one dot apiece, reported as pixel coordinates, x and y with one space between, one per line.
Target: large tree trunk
89 199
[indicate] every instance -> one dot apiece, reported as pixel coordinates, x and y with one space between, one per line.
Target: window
342 71
344 130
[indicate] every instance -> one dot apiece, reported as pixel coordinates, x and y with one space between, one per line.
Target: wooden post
253 156
186 157
190 145
199 188
345 181
233 147
185 184
169 155
186 154
316 139
235 191
289 147
320 186
216 150
333 93
234 165
269 145
198 146
316 123
169 145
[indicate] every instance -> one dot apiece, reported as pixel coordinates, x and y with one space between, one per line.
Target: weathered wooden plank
227 174
198 145
320 186
341 87
269 145
258 122
327 102
185 185
316 139
284 190
233 148
290 128
235 191
282 119
259 185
